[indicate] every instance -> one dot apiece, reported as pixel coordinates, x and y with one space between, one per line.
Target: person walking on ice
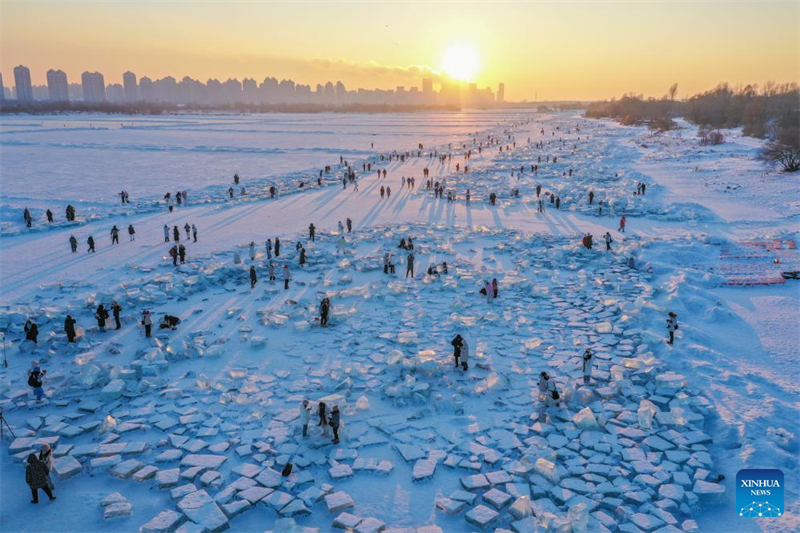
311 231
271 271
457 343
115 235
187 228
90 242
588 362
622 222
101 315
176 233
252 251
131 233
410 265
35 380
147 322
672 326
286 277
194 232
73 243
324 310
166 233
253 278
342 246
69 328
608 239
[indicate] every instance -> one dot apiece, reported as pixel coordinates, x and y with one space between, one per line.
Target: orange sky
570 50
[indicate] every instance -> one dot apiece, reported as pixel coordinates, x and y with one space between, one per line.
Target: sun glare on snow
460 62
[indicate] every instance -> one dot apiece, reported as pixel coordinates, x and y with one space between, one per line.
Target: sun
461 62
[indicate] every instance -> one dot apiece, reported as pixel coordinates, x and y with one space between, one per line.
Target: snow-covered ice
194 429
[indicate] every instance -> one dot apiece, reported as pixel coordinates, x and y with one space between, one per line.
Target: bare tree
673 90
783 155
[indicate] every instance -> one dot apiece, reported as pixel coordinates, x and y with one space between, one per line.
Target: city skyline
560 51
93 89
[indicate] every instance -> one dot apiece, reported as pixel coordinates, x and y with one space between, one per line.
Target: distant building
57 86
2 89
115 93
22 80
146 89
94 87
130 87
501 93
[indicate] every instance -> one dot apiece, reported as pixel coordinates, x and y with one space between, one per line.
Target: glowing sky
565 50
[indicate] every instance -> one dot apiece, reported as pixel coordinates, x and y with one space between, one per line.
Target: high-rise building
146 89
2 88
94 87
501 93
131 89
57 86
22 80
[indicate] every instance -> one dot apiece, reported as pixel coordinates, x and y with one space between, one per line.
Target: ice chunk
586 421
481 516
164 522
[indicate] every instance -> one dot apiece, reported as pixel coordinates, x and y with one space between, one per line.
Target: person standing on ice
410 265
388 192
73 243
632 263
341 227
305 416
90 242
101 315
114 235
489 291
27 216
672 326
302 256
70 213
588 363
116 309
253 277
622 222
35 380
131 233
322 412
31 331
182 253
608 239
277 247
271 271
286 276
468 197
494 288
69 328
311 231
187 228
147 322
342 247
324 309
37 477
230 192
464 355
173 253
252 251
383 191
540 207
268 246
349 226
176 234
49 215
166 233
194 232
334 422
457 343
591 197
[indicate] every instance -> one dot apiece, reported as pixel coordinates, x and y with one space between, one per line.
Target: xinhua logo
759 493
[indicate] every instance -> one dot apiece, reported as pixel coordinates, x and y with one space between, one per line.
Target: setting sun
460 62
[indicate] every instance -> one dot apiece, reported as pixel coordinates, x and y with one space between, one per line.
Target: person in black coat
457 342
277 247
324 309
253 277
90 242
37 477
101 315
32 331
69 328
334 422
115 308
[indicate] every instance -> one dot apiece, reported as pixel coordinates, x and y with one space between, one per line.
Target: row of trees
771 112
